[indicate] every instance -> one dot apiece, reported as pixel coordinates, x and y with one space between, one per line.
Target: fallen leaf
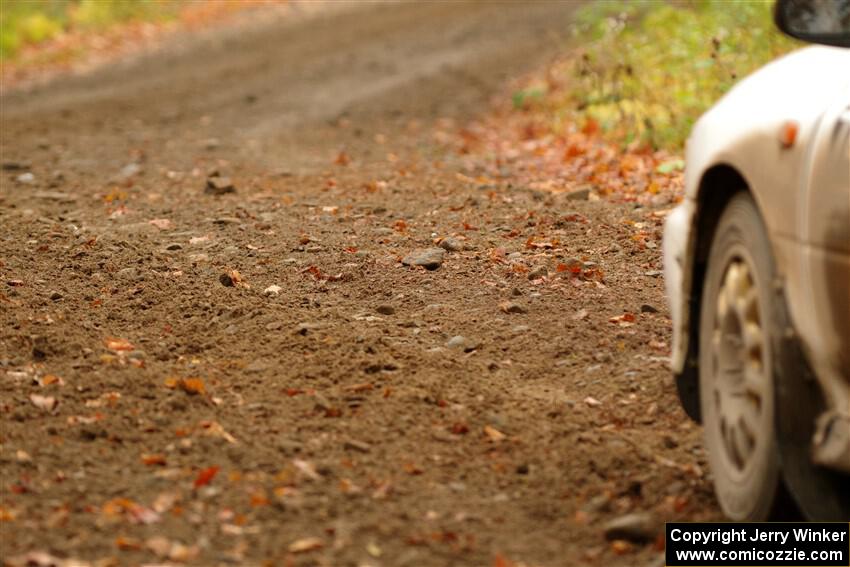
127 543
46 403
412 469
214 429
49 379
305 544
621 547
192 386
494 434
118 345
306 468
342 158
151 460
624 320
205 476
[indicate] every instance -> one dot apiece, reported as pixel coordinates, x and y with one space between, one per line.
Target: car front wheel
736 364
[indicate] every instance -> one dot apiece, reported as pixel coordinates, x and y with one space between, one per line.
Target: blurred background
640 71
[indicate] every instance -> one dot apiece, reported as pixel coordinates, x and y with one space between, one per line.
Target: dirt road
161 402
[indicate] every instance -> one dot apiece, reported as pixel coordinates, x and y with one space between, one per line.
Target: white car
757 267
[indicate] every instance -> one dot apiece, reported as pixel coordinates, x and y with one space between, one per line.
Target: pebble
217 185
313 248
274 326
226 280
511 307
653 273
55 296
451 244
386 309
289 446
227 220
578 195
538 272
357 445
272 290
129 171
459 341
26 178
637 528
14 166
174 246
647 308
428 258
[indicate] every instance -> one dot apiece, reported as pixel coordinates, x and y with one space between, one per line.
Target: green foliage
103 13
25 22
652 67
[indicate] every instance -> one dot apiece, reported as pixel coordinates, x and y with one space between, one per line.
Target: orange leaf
127 544
152 460
494 434
115 344
205 476
192 386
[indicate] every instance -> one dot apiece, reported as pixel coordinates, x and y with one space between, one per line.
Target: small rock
55 296
14 166
451 244
217 185
538 272
306 328
653 273
26 178
130 170
511 307
289 446
386 309
428 258
92 432
647 308
274 326
459 341
578 195
174 246
226 280
272 290
357 445
227 220
637 528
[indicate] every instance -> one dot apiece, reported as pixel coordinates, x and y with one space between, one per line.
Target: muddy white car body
783 135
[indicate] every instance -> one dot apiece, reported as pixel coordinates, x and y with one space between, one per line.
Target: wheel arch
716 188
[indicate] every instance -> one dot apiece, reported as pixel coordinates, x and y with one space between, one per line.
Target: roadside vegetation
29 22
647 69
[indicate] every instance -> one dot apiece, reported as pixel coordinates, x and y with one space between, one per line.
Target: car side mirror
815 21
